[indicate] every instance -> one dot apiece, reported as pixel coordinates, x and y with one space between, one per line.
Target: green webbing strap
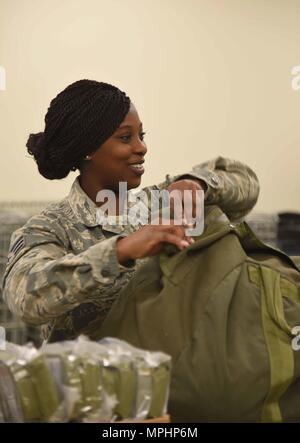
277 335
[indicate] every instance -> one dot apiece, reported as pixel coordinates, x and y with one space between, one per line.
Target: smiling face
119 158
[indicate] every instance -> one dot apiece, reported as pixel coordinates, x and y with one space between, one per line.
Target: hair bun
35 144
48 168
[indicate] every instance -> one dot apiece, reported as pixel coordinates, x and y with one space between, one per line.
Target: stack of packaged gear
83 381
289 232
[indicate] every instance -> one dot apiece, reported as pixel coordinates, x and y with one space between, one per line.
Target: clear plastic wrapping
82 380
151 377
34 383
10 402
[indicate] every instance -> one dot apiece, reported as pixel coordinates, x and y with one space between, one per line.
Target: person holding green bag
65 268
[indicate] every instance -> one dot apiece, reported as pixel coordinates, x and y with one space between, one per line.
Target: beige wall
208 77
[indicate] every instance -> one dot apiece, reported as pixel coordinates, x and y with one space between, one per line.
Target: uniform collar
85 210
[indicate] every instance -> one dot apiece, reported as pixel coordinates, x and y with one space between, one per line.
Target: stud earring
87 157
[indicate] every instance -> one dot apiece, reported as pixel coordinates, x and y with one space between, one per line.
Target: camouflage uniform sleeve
42 281
231 185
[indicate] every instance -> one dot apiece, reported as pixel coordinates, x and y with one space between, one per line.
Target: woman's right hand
150 240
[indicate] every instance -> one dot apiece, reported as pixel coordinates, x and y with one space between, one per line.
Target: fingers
176 234
174 240
155 236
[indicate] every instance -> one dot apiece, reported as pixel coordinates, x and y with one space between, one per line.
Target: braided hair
78 121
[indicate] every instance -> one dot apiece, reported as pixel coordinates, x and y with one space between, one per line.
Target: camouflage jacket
62 271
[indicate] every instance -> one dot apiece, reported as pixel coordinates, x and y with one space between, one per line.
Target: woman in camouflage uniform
65 269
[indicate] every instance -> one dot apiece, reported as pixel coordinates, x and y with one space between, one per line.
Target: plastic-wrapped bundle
119 383
63 366
151 378
94 384
10 403
135 383
160 389
115 375
34 383
77 378
143 397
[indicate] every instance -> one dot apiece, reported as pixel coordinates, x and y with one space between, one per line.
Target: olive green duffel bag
227 309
